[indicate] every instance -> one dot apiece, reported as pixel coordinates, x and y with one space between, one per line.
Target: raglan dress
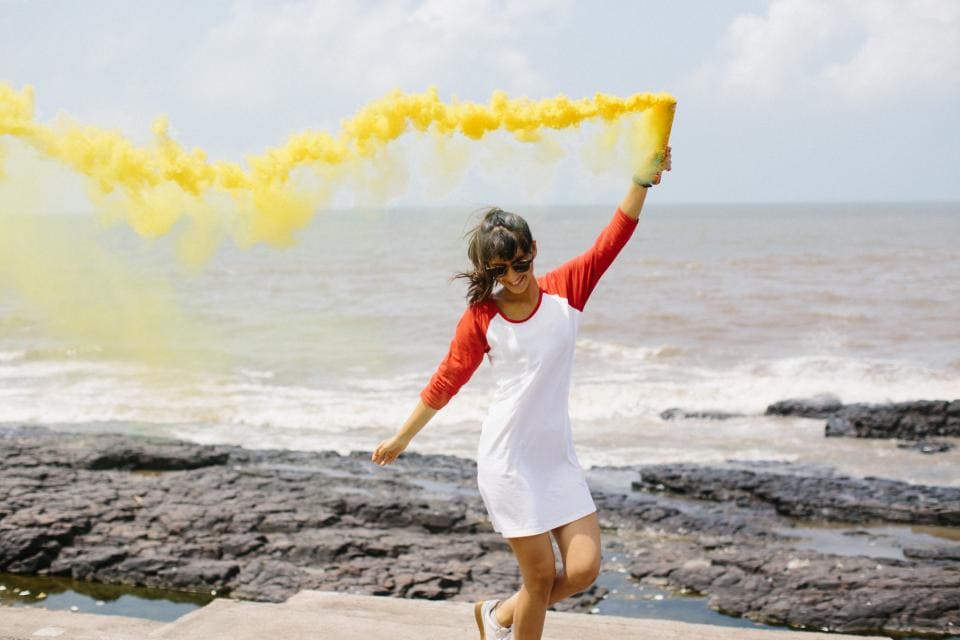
527 470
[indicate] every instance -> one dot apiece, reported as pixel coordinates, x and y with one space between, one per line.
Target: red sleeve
466 352
576 278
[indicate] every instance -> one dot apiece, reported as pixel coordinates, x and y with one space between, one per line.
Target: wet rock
770 580
950 553
265 524
202 573
258 524
268 580
916 420
125 453
820 406
675 413
773 583
820 591
828 497
904 420
927 446
241 544
83 563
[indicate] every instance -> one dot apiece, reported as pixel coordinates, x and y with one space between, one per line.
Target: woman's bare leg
579 543
538 570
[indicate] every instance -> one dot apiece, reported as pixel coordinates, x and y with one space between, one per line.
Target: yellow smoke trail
90 295
153 187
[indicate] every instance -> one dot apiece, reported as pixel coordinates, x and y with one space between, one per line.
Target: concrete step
323 615
29 623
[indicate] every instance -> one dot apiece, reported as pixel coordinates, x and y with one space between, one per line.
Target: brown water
326 345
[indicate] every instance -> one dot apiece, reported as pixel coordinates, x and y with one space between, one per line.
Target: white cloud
770 54
858 50
342 54
910 47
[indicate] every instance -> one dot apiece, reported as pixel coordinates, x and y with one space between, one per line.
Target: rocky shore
265 524
745 562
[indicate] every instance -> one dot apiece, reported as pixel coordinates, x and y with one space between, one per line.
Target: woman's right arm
388 450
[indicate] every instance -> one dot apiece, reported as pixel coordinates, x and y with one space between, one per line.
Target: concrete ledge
28 623
337 616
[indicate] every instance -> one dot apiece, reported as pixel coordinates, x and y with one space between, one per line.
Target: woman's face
517 282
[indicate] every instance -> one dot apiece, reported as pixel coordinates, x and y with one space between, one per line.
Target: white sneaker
490 629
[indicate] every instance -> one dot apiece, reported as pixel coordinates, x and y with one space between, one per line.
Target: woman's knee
537 562
539 579
583 573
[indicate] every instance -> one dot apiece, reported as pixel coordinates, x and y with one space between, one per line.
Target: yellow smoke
85 292
153 187
64 276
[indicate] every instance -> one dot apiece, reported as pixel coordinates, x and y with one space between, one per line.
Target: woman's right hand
388 450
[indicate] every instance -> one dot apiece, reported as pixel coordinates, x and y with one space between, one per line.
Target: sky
778 100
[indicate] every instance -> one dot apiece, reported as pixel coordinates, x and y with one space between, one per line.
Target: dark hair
499 235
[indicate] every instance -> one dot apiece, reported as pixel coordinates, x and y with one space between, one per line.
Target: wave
611 382
750 387
12 356
609 350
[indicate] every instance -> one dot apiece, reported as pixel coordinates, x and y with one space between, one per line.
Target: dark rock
268 580
675 413
83 563
916 420
844 594
148 454
202 574
258 524
953 410
821 406
265 524
903 420
724 548
951 553
839 427
927 446
775 584
241 544
830 498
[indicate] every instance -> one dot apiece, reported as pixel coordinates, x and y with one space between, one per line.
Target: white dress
527 469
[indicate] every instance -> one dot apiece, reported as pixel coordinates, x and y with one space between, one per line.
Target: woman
527 470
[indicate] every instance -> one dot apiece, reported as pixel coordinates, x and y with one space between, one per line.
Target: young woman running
528 474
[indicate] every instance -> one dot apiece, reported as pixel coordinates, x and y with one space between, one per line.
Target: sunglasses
521 265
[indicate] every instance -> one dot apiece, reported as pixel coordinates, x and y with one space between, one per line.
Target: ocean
325 344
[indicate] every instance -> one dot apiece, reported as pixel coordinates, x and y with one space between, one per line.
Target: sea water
327 343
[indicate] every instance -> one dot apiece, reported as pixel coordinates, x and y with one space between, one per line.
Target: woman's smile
515 284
